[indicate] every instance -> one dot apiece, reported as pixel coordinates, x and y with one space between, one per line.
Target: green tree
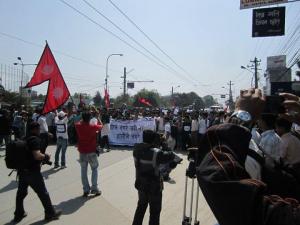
120 100
97 99
186 99
151 95
209 101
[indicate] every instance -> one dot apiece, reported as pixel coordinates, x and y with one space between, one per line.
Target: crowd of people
249 154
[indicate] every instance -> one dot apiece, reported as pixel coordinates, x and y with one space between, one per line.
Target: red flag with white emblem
47 70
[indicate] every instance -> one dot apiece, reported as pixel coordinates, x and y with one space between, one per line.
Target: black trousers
44 142
154 200
104 141
35 180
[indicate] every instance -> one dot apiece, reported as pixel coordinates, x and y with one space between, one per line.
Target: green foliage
209 101
97 99
186 99
151 95
120 100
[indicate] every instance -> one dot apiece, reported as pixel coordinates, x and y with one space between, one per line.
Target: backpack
16 154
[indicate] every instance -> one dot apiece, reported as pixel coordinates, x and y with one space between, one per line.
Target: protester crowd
251 155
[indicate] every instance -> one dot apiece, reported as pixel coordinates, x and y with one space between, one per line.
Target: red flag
57 94
145 101
45 69
106 98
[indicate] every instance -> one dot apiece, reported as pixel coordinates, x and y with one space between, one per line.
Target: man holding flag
57 95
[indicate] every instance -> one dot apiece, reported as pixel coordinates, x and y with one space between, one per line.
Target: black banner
268 22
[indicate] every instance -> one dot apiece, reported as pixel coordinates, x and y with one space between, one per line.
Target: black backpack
16 154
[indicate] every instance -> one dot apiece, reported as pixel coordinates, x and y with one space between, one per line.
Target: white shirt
271 144
203 125
105 130
167 128
251 165
61 127
43 124
161 124
290 153
195 125
94 121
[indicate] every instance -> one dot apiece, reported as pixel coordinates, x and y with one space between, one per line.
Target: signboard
223 96
129 132
268 22
130 85
246 4
275 62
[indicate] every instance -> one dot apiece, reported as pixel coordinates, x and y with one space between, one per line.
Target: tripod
187 220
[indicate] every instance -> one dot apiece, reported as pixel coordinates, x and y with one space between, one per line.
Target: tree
121 99
151 95
199 104
97 99
187 99
209 101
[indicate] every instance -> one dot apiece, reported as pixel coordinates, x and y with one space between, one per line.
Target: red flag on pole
145 101
45 69
106 98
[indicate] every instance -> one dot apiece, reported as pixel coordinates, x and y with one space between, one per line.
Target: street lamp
106 77
173 88
22 73
245 68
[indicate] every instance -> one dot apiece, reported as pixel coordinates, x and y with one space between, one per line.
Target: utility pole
231 106
256 64
172 92
124 83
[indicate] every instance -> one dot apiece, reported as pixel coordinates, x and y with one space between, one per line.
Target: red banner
145 101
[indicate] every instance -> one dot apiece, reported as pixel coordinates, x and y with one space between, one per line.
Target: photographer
148 181
31 176
221 166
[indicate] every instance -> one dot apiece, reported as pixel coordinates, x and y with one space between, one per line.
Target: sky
210 40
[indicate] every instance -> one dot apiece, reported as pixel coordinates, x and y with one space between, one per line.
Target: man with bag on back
149 182
30 175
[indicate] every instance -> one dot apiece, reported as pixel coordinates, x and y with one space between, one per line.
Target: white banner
246 4
129 132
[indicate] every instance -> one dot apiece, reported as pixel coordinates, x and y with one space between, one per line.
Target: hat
61 114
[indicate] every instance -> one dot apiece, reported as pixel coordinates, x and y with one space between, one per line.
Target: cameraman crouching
149 182
31 176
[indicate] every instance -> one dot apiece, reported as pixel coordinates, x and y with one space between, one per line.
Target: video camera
191 170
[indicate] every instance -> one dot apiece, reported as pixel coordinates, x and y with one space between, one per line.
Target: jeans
92 159
154 200
62 145
35 180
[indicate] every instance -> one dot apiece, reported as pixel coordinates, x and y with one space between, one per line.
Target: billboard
274 62
268 22
246 4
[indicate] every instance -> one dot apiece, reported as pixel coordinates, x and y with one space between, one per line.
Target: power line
113 34
54 50
129 36
147 36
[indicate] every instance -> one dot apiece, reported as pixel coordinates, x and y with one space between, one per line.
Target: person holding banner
105 119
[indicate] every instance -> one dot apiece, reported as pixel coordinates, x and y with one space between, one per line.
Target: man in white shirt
270 143
44 131
161 123
61 122
194 130
203 125
290 153
170 140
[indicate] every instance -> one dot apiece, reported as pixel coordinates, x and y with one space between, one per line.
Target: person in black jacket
31 176
149 181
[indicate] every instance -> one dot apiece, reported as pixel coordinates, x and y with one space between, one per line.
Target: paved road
115 206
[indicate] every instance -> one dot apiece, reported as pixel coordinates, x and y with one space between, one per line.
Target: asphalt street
115 206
